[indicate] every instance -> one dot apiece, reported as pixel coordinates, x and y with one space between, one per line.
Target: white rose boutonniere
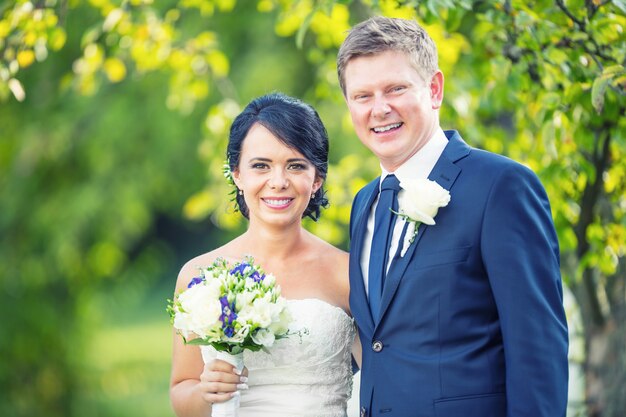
418 202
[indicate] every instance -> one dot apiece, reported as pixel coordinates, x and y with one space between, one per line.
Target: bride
278 155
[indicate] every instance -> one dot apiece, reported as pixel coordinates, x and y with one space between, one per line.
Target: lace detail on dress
303 375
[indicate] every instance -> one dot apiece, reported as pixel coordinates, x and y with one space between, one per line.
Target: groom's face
394 110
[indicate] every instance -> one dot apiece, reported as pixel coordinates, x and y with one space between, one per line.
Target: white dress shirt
417 167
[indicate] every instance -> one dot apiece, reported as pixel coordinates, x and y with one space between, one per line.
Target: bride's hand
219 382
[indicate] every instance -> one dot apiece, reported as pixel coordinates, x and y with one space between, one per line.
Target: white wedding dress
306 375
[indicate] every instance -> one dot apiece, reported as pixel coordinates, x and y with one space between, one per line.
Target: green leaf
90 36
431 6
620 4
567 239
455 17
613 71
305 26
597 92
600 84
197 342
255 348
326 6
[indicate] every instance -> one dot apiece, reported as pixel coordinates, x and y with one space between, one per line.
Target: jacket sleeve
521 257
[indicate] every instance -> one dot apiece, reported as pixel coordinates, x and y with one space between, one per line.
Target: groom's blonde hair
380 34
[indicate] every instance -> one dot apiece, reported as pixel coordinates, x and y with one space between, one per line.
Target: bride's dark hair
294 123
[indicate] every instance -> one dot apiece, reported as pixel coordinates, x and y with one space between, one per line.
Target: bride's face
277 181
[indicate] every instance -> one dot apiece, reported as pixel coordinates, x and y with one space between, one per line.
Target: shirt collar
419 165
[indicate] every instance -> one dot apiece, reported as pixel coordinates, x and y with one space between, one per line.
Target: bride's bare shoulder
191 268
331 267
332 255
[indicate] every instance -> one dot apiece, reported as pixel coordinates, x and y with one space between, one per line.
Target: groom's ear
436 90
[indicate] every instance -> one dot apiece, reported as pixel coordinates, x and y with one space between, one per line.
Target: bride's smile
277 203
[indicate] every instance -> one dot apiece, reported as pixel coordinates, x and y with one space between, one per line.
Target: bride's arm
194 386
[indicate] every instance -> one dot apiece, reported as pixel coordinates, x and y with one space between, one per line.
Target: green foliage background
113 123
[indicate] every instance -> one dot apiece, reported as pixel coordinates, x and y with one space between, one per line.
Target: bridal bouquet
231 308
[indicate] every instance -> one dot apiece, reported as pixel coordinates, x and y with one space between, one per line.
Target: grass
126 366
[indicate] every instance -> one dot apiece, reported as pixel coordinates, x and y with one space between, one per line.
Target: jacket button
377 346
363 412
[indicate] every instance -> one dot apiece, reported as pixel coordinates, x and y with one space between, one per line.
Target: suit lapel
444 173
359 303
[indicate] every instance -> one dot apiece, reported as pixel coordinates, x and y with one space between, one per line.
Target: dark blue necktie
381 240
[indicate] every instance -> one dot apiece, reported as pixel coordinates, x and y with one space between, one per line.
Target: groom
465 318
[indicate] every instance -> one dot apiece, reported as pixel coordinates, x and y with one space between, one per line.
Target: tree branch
62 13
591 195
591 11
591 300
579 23
592 8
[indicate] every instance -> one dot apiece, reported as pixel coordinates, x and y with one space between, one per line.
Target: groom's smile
387 128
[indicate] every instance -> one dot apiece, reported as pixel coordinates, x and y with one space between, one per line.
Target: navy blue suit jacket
472 321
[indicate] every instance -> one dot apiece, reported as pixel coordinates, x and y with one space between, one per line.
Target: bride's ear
236 180
317 184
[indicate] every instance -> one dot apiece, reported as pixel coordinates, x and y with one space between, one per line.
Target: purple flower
257 277
224 302
239 268
194 281
228 316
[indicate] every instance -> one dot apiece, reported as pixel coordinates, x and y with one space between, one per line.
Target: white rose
181 322
277 306
224 277
419 200
269 281
250 283
208 273
264 337
244 299
202 309
258 313
281 324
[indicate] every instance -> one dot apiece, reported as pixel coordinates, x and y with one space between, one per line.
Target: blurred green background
113 124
